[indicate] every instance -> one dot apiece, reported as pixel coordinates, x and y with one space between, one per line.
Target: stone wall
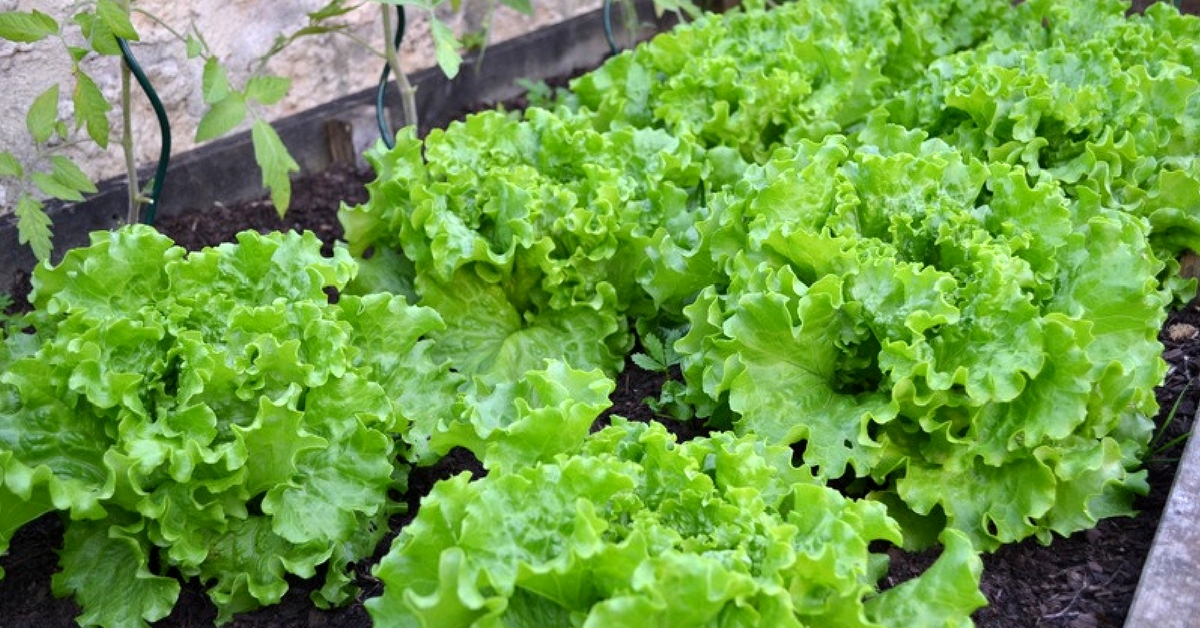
323 67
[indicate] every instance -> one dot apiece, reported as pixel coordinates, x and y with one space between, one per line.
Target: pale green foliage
637 530
934 312
209 413
930 265
921 258
7 321
539 93
50 174
275 161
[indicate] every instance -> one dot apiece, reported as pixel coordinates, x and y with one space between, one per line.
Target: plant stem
408 97
131 178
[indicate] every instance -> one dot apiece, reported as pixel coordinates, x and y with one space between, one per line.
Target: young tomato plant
99 28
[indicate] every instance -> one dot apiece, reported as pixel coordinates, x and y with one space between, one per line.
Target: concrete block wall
239 31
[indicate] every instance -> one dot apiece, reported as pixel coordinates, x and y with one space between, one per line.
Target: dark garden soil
1082 581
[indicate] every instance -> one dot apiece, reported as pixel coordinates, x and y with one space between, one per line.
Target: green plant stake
164 126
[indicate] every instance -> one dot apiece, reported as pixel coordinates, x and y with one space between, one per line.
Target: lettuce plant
639 530
938 325
752 81
917 272
1078 93
210 414
527 236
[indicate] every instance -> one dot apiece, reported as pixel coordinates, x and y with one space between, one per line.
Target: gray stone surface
322 68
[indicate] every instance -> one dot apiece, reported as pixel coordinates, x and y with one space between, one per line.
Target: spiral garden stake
385 131
613 49
164 125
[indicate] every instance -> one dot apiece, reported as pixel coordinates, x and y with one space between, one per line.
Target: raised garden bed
1085 580
1088 579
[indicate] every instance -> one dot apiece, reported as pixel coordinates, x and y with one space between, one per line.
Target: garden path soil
1086 580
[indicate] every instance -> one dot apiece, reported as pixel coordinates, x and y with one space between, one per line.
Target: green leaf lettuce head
639 530
944 327
527 251
1077 92
210 413
758 79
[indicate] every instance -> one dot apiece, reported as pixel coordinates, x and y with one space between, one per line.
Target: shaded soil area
1082 581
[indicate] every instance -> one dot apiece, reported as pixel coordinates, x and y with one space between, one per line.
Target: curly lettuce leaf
513 424
488 337
212 413
336 484
122 593
423 389
934 599
954 324
636 528
782 373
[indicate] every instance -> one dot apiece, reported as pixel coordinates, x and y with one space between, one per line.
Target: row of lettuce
921 248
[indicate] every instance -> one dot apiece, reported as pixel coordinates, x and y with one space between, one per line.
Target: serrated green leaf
487 338
50 186
247 565
224 115
654 347
277 439
787 372
214 83
445 47
97 33
70 175
26 28
117 19
547 413
336 483
945 594
125 592
33 226
91 108
42 115
276 163
268 90
523 6
647 362
10 166
77 53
